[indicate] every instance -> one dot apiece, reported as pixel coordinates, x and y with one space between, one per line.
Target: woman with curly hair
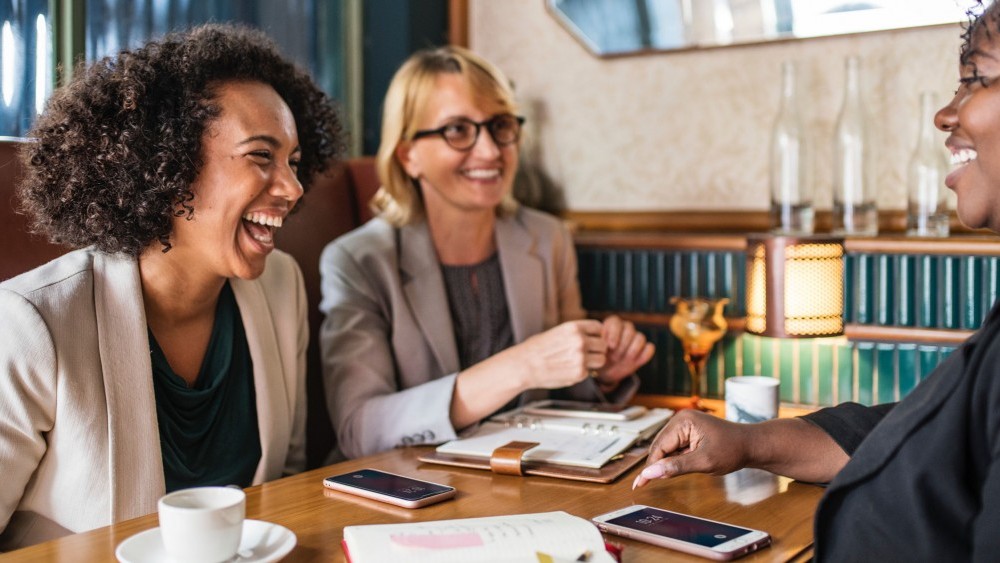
456 302
168 351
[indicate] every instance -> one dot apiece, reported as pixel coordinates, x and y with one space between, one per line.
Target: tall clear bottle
927 204
791 194
854 211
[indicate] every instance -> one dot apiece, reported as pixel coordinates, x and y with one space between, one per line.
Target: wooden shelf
724 221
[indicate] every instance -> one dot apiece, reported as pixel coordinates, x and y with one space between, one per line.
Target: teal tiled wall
821 371
643 281
953 292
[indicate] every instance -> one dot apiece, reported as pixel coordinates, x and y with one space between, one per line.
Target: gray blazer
79 441
388 344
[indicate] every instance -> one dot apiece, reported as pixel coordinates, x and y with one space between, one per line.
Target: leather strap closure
506 460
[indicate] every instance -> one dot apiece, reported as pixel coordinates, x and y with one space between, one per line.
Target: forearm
408 417
484 388
795 448
373 405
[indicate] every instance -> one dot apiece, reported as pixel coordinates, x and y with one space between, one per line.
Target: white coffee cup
751 398
203 524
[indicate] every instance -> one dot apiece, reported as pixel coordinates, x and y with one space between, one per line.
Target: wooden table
751 498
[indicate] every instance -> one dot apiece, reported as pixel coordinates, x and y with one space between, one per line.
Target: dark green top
208 432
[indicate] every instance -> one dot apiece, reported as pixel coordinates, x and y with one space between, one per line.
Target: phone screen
678 526
583 406
389 484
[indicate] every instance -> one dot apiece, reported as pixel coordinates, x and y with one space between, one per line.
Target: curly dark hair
117 149
980 16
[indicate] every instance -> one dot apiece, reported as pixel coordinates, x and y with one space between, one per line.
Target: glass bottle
791 194
927 208
854 211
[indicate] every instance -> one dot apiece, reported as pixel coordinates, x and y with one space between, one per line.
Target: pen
585 556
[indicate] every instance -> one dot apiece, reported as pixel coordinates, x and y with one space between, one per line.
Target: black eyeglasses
463 133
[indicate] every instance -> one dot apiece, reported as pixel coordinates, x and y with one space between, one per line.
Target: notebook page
476 540
575 448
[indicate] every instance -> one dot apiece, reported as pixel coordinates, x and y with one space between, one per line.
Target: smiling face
246 186
473 181
972 119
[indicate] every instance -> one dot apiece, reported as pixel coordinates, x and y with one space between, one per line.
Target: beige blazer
388 344
79 442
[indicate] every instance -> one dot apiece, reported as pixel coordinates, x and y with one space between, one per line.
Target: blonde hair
398 201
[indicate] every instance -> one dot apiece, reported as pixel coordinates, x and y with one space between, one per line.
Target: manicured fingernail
654 471
636 482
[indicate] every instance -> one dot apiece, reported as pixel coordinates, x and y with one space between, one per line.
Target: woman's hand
558 357
696 442
628 350
562 355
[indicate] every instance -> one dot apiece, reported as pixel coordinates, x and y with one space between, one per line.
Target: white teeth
963 156
480 174
263 219
266 239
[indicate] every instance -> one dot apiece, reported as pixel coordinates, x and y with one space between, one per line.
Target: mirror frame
592 48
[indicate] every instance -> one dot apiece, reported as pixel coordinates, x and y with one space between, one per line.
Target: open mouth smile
262 226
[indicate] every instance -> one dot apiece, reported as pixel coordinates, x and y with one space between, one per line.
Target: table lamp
795 286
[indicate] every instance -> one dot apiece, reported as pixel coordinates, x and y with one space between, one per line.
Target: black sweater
923 483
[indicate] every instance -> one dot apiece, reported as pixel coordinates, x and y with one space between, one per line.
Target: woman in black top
918 480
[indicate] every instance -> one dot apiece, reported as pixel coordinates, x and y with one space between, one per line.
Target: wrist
517 371
764 444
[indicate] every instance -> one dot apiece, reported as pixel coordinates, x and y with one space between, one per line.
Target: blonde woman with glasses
455 302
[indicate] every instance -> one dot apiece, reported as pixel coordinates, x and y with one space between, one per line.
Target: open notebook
548 536
570 441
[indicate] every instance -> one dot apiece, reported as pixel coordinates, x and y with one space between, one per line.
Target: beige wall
690 130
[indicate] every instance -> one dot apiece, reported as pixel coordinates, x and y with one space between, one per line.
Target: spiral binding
535 423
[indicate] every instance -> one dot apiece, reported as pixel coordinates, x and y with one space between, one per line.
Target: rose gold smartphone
697 536
390 488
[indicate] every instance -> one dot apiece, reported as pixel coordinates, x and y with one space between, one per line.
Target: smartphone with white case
389 487
690 534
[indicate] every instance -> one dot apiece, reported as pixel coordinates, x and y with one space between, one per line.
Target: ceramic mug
751 398
203 524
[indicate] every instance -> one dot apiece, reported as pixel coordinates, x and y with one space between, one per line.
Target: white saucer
262 542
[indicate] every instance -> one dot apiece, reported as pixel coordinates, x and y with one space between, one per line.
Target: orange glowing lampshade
795 286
